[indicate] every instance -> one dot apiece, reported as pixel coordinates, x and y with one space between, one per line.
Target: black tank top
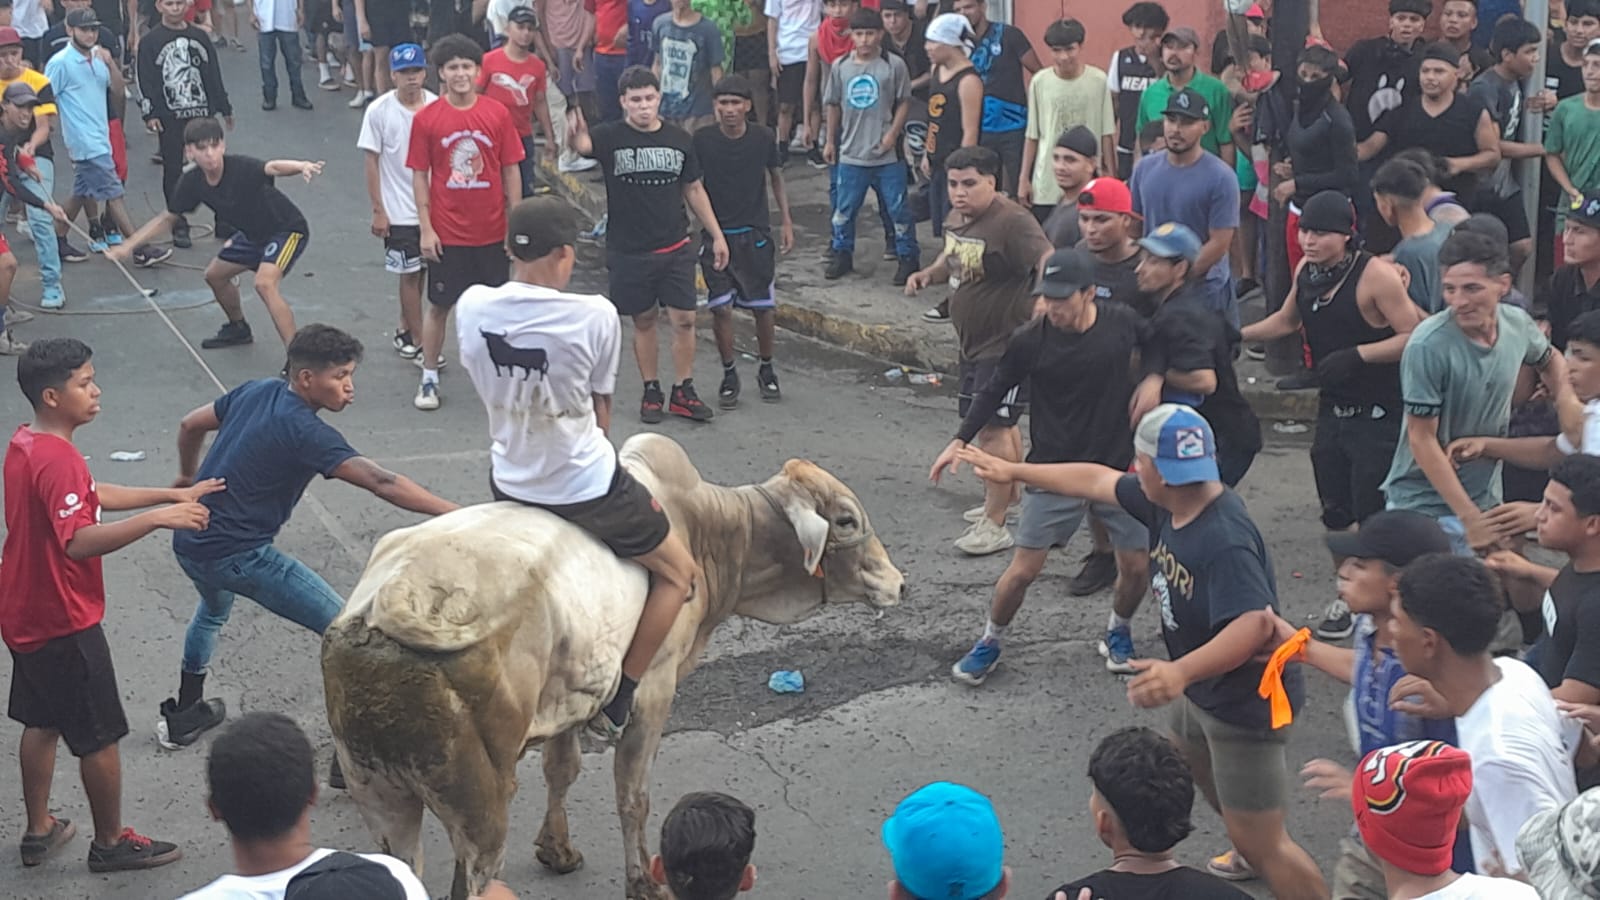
945 131
1334 322
1133 76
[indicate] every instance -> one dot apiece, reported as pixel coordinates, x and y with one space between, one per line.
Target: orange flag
1271 688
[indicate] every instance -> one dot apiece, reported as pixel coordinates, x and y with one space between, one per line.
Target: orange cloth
1271 688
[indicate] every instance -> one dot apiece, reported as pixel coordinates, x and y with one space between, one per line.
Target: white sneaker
581 164
983 538
358 101
427 396
15 316
10 346
973 515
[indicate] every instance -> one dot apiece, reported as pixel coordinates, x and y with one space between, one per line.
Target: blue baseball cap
406 56
945 842
1180 441
1173 241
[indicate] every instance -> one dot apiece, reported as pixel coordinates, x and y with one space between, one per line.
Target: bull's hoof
560 860
642 888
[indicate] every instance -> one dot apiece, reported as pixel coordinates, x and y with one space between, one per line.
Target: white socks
1117 622
991 631
430 376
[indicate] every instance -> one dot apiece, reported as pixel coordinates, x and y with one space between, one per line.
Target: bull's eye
845 521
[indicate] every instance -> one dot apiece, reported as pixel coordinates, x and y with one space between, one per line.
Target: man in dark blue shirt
270 443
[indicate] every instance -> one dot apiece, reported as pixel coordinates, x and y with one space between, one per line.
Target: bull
480 634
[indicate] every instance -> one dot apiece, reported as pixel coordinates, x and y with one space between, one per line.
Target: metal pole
1291 21
1537 12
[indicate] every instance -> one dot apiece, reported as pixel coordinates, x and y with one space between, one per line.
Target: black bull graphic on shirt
510 357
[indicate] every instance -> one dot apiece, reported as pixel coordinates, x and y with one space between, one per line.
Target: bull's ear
810 528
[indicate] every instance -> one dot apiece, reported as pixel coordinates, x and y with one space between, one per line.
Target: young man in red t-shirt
464 171
516 76
610 53
52 598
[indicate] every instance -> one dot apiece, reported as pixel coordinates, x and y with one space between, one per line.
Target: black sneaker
180 234
768 382
783 154
839 265
1336 624
132 851
179 728
1099 571
301 103
814 157
938 315
728 394
269 105
68 252
650 406
687 404
97 237
907 268
149 255
36 848
231 334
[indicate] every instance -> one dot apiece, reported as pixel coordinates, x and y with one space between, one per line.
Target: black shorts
319 17
1508 210
750 55
626 518
974 375
459 268
792 85
1350 458
70 685
641 282
281 250
402 250
746 281
389 23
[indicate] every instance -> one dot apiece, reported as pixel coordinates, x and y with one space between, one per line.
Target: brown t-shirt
993 261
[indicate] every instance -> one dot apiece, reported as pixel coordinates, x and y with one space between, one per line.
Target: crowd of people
1096 232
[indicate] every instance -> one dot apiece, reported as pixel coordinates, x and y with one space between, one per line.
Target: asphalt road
823 769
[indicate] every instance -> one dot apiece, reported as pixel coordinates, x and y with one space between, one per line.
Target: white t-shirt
797 21
29 18
1521 751
272 885
1482 887
537 357
1591 432
386 131
277 15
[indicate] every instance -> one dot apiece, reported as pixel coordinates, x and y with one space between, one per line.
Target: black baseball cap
1187 103
1584 212
539 225
1423 8
523 15
82 18
341 876
1396 536
1066 272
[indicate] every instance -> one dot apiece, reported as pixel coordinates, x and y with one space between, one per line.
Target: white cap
951 29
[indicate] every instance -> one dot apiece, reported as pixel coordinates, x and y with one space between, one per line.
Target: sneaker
406 346
903 272
687 404
984 537
1230 865
839 265
814 158
1117 648
10 346
783 154
767 380
36 848
650 405
728 394
975 514
597 233
350 77
325 79
52 298
132 851
978 663
179 728
1336 624
427 398
113 236
581 164
68 252
149 255
888 253
936 315
180 234
231 334
15 316
1302 380
358 101
1099 571
97 238
269 105
305 102
1256 352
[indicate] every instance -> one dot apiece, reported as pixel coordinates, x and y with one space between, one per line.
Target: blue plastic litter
784 681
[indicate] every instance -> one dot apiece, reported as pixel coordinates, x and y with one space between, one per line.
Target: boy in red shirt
463 159
52 598
515 75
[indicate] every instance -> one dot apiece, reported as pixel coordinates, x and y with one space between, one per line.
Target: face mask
1315 91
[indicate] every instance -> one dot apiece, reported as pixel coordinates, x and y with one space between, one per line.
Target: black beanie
1328 211
1423 8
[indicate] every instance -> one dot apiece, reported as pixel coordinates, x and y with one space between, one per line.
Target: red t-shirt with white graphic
50 494
463 152
517 85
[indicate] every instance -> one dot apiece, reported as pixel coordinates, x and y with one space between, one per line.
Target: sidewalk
865 314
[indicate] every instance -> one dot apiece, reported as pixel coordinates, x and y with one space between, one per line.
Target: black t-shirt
244 197
1572 621
1565 297
1206 574
1565 80
736 174
1191 336
998 58
1119 281
1182 883
914 54
1061 226
1383 75
645 174
1079 385
1322 145
1452 133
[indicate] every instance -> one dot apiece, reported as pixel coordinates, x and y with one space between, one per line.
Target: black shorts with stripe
281 250
974 375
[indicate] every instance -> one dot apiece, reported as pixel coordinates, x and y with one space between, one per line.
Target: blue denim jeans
273 579
851 184
883 205
40 225
268 44
607 70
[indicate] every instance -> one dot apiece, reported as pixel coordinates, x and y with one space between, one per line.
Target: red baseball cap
9 37
1407 800
1255 12
1107 195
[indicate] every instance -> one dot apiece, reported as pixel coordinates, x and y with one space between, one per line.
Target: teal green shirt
1154 101
1574 135
1467 387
